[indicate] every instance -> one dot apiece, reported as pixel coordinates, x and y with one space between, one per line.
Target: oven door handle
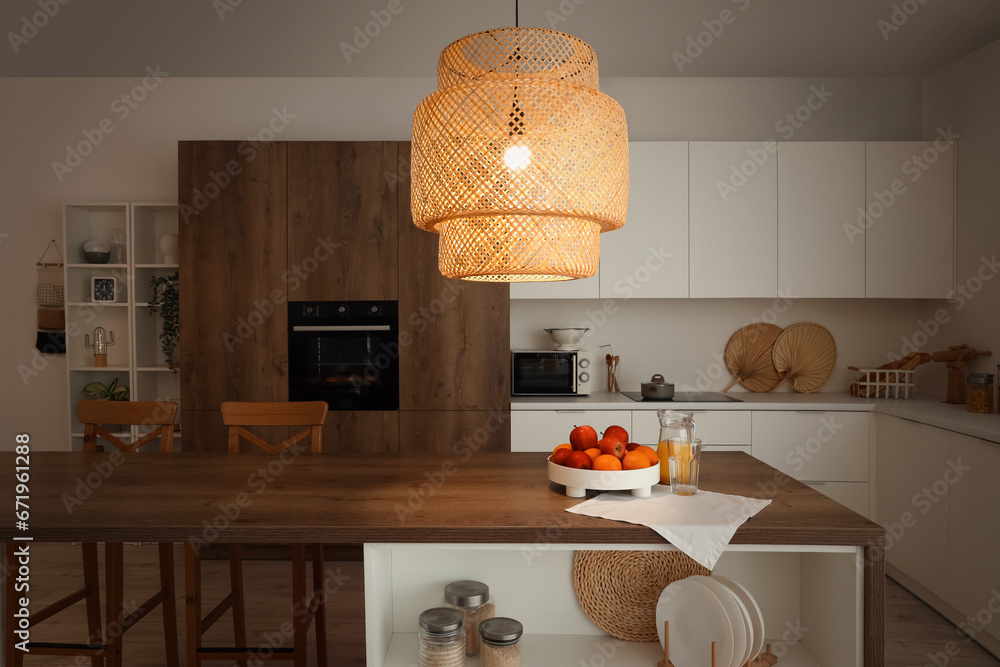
343 327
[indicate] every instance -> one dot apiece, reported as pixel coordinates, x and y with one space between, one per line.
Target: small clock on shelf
103 289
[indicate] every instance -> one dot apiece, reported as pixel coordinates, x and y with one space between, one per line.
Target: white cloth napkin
700 525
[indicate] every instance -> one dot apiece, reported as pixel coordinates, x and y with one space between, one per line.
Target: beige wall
966 96
137 161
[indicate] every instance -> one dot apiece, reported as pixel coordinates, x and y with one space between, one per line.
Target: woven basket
618 590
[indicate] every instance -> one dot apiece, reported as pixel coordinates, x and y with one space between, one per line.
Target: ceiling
633 38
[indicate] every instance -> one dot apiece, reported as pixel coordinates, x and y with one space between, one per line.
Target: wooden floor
914 632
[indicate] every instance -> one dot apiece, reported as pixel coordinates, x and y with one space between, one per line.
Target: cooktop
685 397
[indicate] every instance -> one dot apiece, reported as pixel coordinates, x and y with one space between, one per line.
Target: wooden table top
427 497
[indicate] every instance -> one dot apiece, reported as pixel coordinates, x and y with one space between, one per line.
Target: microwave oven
551 372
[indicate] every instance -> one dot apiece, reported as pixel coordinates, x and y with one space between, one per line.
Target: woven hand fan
804 355
618 590
748 357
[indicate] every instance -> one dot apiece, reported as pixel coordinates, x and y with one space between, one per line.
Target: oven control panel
342 310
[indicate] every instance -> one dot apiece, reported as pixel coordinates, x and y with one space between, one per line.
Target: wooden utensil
614 373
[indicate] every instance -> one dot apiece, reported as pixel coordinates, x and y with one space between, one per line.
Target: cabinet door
233 241
814 446
713 427
821 188
909 240
584 288
734 219
648 257
461 432
342 241
543 430
974 498
910 458
454 335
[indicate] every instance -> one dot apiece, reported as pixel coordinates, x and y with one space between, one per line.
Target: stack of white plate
702 610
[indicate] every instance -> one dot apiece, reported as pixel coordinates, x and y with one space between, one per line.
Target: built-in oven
345 353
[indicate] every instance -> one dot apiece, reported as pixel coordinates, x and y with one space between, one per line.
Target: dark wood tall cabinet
329 221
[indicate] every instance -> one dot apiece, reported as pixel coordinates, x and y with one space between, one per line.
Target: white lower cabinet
719 430
814 446
974 537
542 430
913 501
810 597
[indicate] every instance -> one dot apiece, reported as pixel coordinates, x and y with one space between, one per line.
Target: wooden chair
105 643
307 606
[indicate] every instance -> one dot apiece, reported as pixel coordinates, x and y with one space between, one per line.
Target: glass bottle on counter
979 393
472 599
501 642
673 424
441 638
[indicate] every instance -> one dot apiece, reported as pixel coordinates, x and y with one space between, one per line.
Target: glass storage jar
441 638
501 642
472 598
979 393
673 424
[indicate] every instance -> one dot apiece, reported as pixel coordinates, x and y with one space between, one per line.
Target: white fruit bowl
639 482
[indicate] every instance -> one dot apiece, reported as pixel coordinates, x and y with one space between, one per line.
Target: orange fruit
593 453
635 460
649 452
607 462
565 445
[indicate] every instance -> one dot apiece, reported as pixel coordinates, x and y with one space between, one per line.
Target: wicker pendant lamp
519 161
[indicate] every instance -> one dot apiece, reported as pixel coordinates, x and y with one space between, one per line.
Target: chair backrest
311 414
161 414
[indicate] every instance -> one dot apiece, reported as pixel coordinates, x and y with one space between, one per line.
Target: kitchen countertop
925 409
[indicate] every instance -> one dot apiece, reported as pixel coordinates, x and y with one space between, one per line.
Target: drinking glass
685 461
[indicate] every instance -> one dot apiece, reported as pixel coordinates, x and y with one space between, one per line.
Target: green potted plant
99 391
166 303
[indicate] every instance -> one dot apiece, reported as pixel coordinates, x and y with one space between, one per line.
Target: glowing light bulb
517 157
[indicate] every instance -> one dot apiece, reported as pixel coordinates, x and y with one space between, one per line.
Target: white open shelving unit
811 598
135 358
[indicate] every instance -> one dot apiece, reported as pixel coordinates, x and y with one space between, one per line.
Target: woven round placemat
618 590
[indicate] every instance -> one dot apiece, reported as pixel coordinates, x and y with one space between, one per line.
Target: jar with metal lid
979 393
472 598
441 638
501 642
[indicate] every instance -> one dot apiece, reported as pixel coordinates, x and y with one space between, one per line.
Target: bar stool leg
319 588
91 579
192 605
236 583
113 557
300 604
169 603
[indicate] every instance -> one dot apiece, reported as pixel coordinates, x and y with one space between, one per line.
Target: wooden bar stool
106 643
306 606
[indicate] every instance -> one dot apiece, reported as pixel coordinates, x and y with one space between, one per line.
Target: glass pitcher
673 424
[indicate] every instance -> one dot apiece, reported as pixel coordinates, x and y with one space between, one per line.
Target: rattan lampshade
519 161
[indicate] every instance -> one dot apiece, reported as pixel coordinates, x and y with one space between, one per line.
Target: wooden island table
816 567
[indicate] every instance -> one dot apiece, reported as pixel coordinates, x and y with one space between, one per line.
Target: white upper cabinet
821 191
734 219
909 221
648 257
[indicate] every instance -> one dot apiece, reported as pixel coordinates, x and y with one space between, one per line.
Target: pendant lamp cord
516 24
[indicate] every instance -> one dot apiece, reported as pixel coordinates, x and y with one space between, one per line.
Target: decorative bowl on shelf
577 481
97 252
566 339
